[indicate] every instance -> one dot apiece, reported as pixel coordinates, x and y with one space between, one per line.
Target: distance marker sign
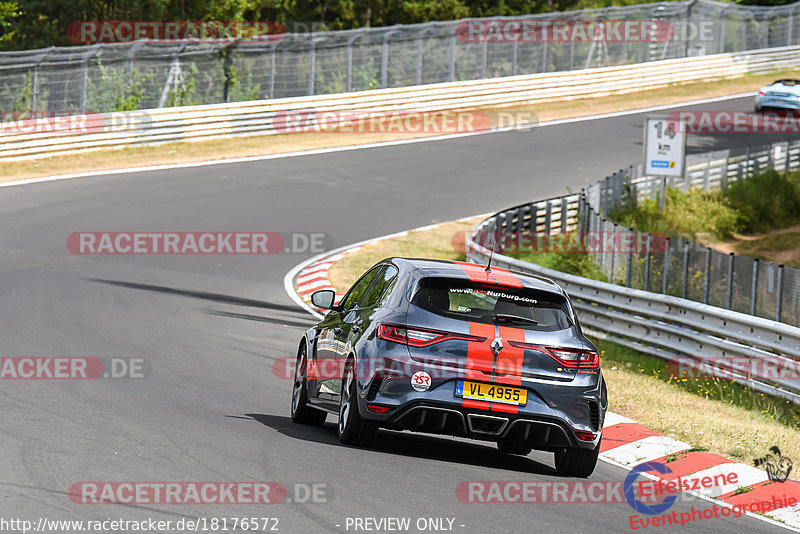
664 147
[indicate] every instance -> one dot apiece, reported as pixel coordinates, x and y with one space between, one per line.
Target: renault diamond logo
497 345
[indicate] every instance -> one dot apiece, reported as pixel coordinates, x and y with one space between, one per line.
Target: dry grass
722 428
445 241
741 433
275 144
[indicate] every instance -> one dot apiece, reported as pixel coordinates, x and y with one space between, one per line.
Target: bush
766 201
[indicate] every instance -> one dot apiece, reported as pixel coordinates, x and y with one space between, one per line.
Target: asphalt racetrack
209 329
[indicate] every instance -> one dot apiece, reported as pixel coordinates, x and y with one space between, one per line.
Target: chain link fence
689 270
151 74
661 265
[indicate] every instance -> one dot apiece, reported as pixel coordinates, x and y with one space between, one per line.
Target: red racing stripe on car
509 362
506 277
479 358
477 273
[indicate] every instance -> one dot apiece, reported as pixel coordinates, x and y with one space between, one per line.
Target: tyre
353 429
302 413
575 462
511 447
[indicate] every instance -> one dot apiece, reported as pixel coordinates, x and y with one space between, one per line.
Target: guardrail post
779 295
685 268
647 264
666 268
730 280
548 214
707 277
754 288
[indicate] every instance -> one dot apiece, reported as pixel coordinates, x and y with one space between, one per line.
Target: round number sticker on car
421 381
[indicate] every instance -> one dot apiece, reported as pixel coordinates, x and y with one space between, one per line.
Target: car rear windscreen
469 301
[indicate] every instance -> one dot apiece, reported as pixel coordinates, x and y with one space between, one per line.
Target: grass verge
722 417
275 144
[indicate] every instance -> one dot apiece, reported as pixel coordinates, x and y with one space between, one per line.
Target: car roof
476 272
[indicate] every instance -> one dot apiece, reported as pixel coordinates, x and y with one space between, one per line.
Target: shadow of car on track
412 445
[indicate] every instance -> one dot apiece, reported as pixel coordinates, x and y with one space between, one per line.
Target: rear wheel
575 462
511 447
302 413
353 429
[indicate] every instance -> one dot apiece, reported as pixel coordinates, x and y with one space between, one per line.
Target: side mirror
323 299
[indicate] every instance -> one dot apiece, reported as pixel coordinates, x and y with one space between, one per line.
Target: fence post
647 264
666 268
629 266
548 217
227 71
779 295
419 56
385 59
564 210
85 69
747 163
452 73
662 190
754 288
514 54
730 280
272 64
484 57
707 278
312 59
602 232
685 268
614 244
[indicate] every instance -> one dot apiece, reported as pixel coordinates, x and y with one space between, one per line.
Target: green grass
685 215
580 264
766 201
772 408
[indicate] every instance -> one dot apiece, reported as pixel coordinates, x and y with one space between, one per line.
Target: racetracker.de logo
564 31
196 243
736 122
575 242
123 31
16 122
149 493
72 368
373 121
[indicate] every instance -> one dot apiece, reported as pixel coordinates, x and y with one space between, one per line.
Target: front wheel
302 413
353 429
575 462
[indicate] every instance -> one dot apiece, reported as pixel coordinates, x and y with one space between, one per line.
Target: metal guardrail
119 129
99 76
669 326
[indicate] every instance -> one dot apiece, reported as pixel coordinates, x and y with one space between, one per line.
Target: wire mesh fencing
151 74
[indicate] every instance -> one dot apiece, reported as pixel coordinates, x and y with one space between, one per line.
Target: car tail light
762 93
419 337
585 436
571 358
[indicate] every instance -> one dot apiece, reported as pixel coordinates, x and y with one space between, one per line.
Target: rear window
519 307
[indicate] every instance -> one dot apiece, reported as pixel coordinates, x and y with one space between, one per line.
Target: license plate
491 392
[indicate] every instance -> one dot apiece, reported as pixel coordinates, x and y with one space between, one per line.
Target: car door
334 333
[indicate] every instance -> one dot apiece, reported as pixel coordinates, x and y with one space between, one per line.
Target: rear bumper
769 102
550 419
